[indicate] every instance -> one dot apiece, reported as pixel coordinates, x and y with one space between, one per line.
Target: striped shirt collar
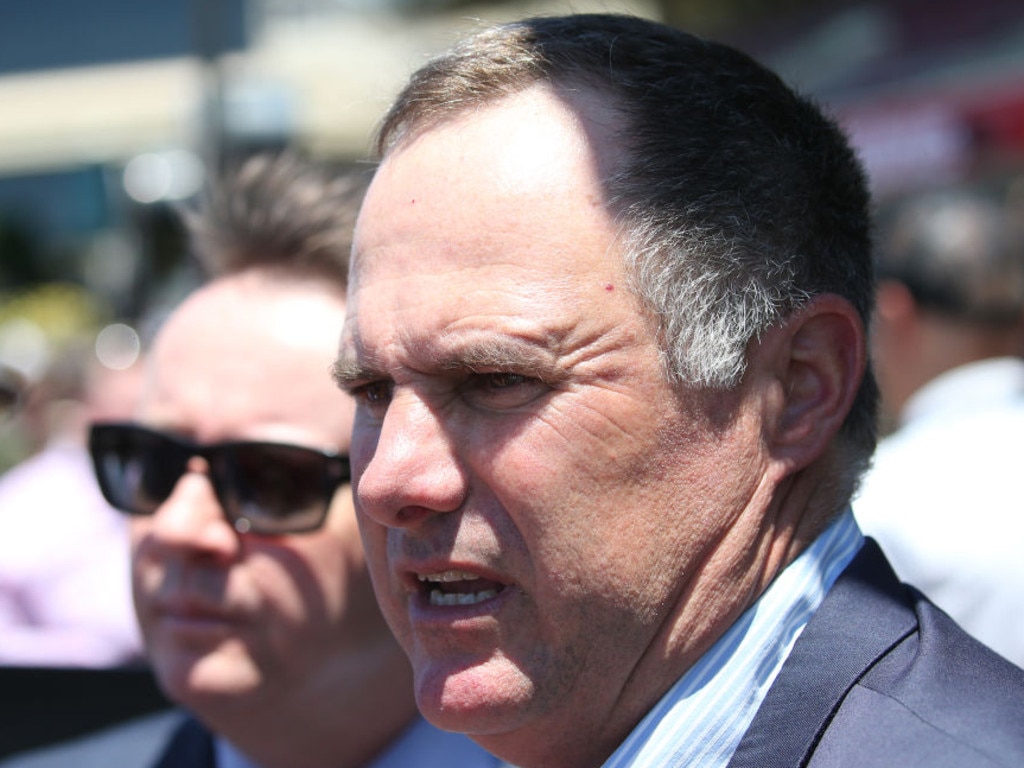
702 718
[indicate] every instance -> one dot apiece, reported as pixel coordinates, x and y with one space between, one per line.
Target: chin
493 697
198 680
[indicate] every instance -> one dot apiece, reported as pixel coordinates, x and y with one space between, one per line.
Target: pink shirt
65 588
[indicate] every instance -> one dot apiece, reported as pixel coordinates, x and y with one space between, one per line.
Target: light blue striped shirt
701 720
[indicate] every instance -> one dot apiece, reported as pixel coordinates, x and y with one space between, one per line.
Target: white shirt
945 499
701 720
421 745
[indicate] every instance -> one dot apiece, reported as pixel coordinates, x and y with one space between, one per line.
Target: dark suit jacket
166 740
881 677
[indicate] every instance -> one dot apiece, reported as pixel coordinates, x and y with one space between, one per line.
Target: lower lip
196 626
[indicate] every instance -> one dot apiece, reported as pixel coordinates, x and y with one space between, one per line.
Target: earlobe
818 356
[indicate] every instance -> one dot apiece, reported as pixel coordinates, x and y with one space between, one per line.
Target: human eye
502 390
374 396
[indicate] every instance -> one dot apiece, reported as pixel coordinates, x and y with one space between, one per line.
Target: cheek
365 434
326 571
145 568
300 599
569 472
340 564
619 516
138 529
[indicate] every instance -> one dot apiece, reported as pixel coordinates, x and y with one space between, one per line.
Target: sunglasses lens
137 469
278 488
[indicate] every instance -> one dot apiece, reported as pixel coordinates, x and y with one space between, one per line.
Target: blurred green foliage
63 311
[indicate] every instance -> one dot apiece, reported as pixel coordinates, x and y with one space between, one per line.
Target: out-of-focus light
24 347
118 346
156 176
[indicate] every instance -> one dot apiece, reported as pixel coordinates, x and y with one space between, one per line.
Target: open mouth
449 588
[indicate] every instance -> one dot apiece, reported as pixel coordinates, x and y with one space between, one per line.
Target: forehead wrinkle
499 340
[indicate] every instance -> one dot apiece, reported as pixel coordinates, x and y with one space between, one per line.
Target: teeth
445 576
437 597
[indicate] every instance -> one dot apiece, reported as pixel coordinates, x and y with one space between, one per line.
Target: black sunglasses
267 488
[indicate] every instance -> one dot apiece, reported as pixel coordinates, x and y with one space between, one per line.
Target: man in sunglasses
249 579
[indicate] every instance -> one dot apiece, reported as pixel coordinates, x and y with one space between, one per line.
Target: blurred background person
65 598
944 496
249 578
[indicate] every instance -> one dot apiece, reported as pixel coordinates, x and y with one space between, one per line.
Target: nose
191 518
406 466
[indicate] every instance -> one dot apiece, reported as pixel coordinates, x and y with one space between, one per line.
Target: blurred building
114 108
113 111
931 91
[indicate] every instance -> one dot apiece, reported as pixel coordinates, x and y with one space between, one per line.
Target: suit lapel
864 614
190 746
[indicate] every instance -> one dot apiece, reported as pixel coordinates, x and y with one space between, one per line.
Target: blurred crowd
65 597
948 346
943 496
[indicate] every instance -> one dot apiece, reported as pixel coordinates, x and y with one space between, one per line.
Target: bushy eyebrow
347 372
464 357
493 355
353 366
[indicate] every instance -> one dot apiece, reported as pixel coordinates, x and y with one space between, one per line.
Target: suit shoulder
136 743
938 698
882 677
945 673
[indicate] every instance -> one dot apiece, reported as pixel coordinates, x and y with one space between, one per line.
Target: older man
606 332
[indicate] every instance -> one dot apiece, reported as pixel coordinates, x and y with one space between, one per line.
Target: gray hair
738 199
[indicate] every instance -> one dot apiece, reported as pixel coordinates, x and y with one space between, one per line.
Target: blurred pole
208 18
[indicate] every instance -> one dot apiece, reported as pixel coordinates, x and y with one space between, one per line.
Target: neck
328 725
782 519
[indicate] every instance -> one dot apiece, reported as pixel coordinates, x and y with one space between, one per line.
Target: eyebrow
348 372
500 354
496 354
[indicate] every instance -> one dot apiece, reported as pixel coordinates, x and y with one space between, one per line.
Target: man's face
241 618
539 507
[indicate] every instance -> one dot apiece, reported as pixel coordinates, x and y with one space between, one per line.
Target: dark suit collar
190 746
865 613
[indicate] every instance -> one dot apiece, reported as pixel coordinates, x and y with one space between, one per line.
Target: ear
811 367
